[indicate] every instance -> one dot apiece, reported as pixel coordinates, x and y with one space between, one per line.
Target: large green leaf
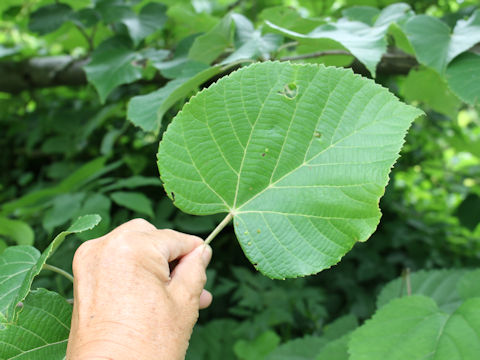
415 328
41 330
19 287
367 43
112 64
434 45
440 285
335 350
15 263
299 155
146 111
463 76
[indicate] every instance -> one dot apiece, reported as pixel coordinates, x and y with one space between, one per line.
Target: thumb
189 276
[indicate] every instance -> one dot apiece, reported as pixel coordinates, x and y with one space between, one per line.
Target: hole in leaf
173 196
290 91
317 134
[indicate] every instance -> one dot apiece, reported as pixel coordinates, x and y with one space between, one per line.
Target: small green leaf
290 18
133 182
112 64
134 201
146 111
17 230
207 47
41 330
152 18
425 85
85 17
415 328
434 45
15 263
100 204
251 43
49 18
64 208
299 155
468 213
366 43
463 76
18 289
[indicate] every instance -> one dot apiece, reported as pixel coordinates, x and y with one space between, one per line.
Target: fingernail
206 254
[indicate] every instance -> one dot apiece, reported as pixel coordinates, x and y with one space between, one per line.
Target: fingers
174 244
189 276
205 299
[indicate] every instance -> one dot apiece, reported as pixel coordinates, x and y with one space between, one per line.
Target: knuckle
122 244
81 255
203 278
139 223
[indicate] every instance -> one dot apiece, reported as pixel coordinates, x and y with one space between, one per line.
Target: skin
127 302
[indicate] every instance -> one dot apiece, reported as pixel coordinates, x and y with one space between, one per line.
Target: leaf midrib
305 163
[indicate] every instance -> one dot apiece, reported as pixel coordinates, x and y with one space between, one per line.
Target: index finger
174 244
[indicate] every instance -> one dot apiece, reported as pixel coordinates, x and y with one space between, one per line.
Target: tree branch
43 72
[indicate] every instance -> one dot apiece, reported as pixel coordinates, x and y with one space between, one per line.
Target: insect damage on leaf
290 91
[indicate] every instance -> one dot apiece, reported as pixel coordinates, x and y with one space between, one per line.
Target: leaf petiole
58 271
218 228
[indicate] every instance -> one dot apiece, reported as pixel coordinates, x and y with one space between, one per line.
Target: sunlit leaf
434 44
299 155
463 76
440 285
367 43
415 328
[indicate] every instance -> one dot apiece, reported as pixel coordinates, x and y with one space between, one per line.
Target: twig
315 55
407 281
219 228
87 38
58 271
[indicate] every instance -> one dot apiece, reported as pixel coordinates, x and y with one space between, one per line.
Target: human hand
127 303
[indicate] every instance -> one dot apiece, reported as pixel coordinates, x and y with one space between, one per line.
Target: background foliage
87 88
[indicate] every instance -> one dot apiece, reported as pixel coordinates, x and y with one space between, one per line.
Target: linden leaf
298 155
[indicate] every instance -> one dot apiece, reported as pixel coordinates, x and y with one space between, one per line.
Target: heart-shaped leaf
41 329
298 155
415 328
19 265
